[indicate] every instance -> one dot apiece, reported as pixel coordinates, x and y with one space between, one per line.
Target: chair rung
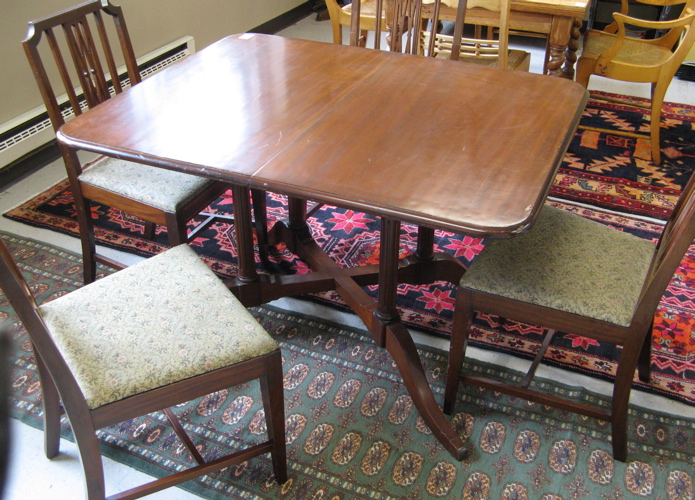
313 209
199 470
538 397
539 357
107 261
614 132
618 100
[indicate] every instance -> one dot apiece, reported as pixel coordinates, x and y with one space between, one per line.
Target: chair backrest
18 293
363 16
369 12
675 240
455 46
94 65
676 33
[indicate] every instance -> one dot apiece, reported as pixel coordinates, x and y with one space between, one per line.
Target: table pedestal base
381 318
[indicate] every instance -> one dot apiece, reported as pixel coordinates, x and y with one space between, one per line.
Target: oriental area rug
352 431
605 177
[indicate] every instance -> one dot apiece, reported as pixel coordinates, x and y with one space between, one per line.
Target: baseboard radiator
32 130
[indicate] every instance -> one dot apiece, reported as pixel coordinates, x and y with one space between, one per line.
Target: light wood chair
342 16
613 53
153 194
489 51
156 334
578 276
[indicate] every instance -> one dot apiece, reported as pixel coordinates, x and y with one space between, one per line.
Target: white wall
151 23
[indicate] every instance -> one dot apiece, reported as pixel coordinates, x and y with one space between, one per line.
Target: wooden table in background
560 20
440 144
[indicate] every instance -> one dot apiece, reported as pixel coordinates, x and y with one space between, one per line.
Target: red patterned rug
616 172
601 171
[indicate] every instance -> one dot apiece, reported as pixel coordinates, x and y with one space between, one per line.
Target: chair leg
274 406
658 94
176 229
463 317
260 221
621 394
89 249
90 455
584 68
51 409
148 232
84 216
644 365
337 32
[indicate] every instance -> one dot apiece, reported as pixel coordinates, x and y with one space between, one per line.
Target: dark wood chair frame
635 339
58 384
97 86
5 437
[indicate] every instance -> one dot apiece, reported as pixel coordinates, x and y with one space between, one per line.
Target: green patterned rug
352 432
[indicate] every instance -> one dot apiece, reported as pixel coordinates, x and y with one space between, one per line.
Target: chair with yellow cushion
489 51
154 335
578 276
614 54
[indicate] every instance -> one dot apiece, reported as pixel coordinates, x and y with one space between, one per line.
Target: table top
438 143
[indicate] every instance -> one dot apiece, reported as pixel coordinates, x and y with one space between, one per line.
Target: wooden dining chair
5 439
578 276
158 196
615 53
341 15
156 334
491 51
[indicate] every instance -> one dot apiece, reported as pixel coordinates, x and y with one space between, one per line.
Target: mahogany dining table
440 144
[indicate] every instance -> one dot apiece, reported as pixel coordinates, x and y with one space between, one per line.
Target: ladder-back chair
433 42
154 335
614 53
158 196
341 15
574 275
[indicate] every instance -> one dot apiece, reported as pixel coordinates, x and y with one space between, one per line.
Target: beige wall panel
152 24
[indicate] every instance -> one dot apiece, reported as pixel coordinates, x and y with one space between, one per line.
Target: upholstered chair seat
157 334
568 263
577 276
157 187
117 335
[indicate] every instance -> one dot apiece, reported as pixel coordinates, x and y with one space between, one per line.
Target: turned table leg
558 43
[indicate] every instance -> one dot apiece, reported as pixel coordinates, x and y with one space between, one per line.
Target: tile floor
32 476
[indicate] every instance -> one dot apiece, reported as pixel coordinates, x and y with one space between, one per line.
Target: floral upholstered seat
166 319
571 275
568 263
145 339
160 188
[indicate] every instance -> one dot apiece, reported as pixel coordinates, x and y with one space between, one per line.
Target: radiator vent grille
36 130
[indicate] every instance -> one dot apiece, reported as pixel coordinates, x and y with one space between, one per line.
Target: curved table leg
388 329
